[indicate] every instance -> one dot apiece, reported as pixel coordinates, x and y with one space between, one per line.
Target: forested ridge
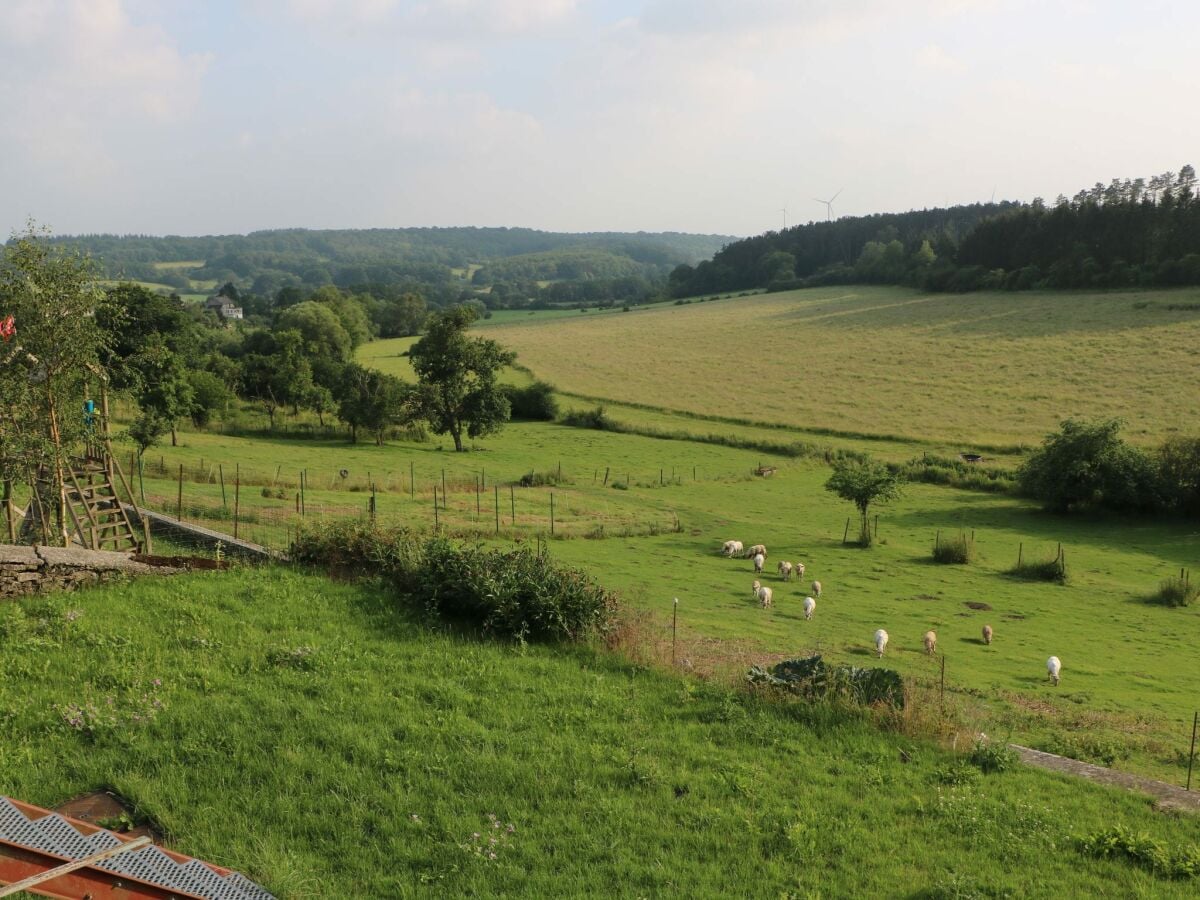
440 262
1140 232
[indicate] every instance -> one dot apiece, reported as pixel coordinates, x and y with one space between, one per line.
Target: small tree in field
863 483
456 376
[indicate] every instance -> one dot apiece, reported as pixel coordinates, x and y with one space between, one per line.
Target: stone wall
39 570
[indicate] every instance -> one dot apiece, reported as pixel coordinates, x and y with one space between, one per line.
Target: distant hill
265 261
1143 232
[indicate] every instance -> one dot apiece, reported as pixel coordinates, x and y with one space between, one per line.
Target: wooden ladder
95 508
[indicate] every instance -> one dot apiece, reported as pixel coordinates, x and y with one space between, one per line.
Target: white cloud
448 19
934 57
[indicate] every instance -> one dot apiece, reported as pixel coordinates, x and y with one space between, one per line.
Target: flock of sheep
757 554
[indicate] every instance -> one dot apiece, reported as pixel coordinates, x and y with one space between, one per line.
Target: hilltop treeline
1128 233
438 262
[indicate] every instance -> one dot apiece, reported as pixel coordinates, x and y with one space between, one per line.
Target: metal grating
54 835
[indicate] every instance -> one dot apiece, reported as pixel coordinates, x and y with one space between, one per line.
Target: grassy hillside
314 736
979 369
1128 687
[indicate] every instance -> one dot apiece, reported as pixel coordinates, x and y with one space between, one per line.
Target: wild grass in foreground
313 735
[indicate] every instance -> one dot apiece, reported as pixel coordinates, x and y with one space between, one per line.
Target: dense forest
440 263
1128 233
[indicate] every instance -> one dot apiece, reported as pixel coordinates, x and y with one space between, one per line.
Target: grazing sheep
881 639
931 642
798 568
809 605
785 569
757 550
762 594
759 559
731 548
1053 667
987 634
816 588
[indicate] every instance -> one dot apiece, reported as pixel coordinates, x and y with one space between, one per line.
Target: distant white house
223 307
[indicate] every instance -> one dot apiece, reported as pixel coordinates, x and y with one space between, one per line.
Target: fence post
373 507
141 470
846 533
304 491
443 488
674 622
1020 553
1192 752
660 478
477 492
237 497
221 472
512 498
605 477
412 482
552 512
693 473
483 477
497 505
179 497
436 524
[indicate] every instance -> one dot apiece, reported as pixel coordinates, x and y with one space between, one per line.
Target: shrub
590 418
1087 748
991 757
811 677
516 594
543 479
535 403
1054 570
1176 591
1144 851
1087 465
960 549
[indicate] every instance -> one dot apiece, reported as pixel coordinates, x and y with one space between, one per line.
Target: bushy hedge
535 403
1087 466
812 677
516 594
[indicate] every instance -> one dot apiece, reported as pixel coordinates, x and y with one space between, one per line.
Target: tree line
1139 232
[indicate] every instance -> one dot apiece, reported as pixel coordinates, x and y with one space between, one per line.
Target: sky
214 117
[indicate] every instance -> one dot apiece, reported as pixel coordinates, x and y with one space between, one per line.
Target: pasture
1128 683
990 370
321 739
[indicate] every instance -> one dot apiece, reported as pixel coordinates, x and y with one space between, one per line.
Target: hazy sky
166 116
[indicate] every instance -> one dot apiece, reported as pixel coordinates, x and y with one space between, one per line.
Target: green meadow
319 738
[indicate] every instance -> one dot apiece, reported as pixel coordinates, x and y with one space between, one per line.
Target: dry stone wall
39 570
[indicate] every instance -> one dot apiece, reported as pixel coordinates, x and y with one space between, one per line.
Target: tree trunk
174 436
456 433
354 434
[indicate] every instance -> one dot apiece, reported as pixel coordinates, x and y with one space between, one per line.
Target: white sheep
816 588
1053 667
731 548
762 594
759 559
798 568
931 642
881 639
785 569
757 550
987 634
809 606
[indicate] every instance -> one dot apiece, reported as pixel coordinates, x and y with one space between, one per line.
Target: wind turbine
829 204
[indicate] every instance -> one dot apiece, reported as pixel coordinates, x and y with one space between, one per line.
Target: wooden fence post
477 492
605 477
179 497
221 472
1192 752
496 487
237 497
436 524
412 482
846 533
552 512
512 498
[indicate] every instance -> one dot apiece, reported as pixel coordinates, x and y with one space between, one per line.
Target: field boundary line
1167 796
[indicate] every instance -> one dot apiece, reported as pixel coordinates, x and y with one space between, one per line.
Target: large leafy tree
1087 464
863 483
50 360
276 372
372 401
457 375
